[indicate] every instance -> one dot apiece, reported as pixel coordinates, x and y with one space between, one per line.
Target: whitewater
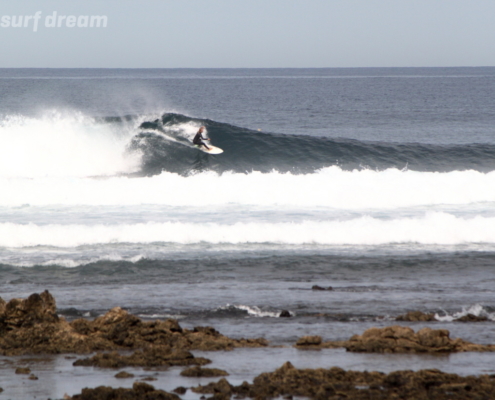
88 170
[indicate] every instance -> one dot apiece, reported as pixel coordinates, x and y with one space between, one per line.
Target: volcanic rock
471 318
198 372
31 326
22 371
220 387
139 391
180 390
416 316
156 357
124 375
399 339
316 287
285 314
336 383
308 341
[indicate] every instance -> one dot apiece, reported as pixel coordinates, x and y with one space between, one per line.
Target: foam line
331 187
433 228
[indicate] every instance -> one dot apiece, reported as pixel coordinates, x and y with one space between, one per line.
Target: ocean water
377 182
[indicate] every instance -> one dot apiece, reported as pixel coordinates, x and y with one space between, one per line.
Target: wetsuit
198 140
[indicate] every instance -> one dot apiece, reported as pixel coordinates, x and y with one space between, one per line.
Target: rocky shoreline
32 326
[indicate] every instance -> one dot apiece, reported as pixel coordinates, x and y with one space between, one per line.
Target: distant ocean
378 182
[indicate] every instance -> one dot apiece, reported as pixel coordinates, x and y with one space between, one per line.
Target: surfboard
212 150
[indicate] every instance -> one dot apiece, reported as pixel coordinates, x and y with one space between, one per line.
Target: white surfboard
212 150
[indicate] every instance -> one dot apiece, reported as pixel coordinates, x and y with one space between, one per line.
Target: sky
247 33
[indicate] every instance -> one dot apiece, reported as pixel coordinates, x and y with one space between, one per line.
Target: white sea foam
477 310
331 187
253 311
63 145
438 228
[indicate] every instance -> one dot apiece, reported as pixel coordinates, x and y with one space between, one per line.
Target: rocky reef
198 372
155 357
139 391
397 339
415 316
336 383
31 326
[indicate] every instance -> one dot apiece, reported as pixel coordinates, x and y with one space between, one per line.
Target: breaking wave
433 228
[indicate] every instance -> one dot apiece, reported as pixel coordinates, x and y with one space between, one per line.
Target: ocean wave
438 228
252 311
477 310
65 144
71 144
331 187
166 146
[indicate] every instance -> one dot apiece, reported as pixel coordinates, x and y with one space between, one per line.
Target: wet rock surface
321 288
198 372
124 375
471 318
31 326
139 391
416 316
157 357
401 339
336 383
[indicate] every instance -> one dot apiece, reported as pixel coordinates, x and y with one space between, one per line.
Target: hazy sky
249 33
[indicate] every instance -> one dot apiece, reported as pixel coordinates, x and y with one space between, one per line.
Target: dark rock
316 287
416 316
31 326
471 318
139 391
24 313
285 314
322 384
309 341
198 372
33 377
159 357
399 339
124 375
22 371
222 387
180 390
149 378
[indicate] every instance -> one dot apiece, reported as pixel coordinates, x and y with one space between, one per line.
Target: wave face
166 146
71 144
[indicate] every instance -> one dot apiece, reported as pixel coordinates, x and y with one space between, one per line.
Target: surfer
198 139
